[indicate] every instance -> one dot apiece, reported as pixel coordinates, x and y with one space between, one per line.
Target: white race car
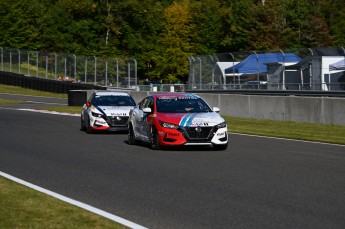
107 111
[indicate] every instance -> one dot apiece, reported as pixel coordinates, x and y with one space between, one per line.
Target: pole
117 72
18 61
257 68
36 64
46 67
55 65
95 79
283 88
200 72
2 58
75 68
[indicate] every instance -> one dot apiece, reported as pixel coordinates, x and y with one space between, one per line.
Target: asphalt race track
257 183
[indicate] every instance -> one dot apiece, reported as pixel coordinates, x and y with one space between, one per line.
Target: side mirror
147 110
216 109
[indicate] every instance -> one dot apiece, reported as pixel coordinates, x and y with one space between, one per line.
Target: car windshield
113 100
182 105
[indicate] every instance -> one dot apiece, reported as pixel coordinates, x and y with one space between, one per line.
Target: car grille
198 133
119 120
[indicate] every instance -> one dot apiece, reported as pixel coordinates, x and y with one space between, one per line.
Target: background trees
160 35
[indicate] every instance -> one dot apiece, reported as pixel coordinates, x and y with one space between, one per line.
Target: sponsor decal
188 96
118 114
221 134
199 124
193 119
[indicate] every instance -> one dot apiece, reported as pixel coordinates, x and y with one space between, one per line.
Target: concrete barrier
319 110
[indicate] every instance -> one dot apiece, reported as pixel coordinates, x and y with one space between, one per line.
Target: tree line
160 35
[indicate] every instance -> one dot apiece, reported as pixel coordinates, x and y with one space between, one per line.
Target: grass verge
6 101
26 91
22 208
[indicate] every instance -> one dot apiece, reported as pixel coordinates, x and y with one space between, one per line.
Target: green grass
7 101
25 91
284 129
64 109
23 208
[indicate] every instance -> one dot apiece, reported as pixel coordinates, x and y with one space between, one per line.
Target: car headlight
221 125
97 115
168 125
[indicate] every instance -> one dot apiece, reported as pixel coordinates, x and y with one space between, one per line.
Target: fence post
28 63
18 61
10 61
36 64
75 68
95 80
129 73
2 58
200 73
117 72
85 73
135 73
55 65
257 68
46 67
65 68
284 88
106 73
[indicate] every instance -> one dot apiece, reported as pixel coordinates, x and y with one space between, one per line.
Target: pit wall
318 110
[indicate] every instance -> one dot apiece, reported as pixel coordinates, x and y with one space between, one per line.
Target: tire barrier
42 84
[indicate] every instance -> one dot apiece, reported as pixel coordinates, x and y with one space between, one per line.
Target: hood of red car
191 119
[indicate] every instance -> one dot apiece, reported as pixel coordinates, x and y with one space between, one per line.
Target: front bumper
193 136
114 123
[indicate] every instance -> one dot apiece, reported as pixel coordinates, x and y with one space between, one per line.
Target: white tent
338 66
219 70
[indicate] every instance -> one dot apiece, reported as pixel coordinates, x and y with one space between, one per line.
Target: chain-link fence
302 69
110 72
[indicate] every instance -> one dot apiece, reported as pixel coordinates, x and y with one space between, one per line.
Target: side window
150 104
143 104
91 99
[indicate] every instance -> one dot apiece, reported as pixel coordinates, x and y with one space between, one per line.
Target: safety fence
114 72
303 69
300 69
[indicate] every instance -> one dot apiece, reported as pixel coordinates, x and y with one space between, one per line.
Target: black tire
88 129
220 147
154 139
131 137
82 124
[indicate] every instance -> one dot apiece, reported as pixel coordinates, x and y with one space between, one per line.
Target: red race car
176 120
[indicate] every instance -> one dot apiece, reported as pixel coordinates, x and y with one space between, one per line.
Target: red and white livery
176 120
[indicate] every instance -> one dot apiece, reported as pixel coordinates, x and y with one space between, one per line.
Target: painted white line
46 103
47 112
287 139
75 203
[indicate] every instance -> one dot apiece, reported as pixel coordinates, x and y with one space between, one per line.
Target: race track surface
257 183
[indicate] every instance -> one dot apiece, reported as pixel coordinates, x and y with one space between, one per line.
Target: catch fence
109 72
